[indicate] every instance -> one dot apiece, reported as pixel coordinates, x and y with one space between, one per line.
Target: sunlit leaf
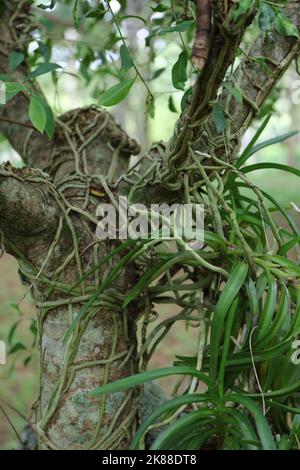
116 93
43 69
284 26
171 105
126 59
12 89
179 71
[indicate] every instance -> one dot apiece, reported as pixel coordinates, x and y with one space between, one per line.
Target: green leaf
271 199
244 358
138 379
179 72
170 437
43 69
27 361
284 26
245 155
50 121
242 7
75 13
126 59
12 332
160 8
245 428
15 59
231 289
178 28
37 114
274 140
269 306
116 93
153 273
261 422
6 78
12 89
226 344
285 263
17 347
219 118
171 105
266 17
271 166
282 313
169 406
289 245
97 13
158 72
235 92
185 98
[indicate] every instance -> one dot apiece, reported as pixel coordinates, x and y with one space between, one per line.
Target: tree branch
226 35
256 80
203 27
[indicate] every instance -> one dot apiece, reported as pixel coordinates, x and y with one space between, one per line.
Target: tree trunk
49 225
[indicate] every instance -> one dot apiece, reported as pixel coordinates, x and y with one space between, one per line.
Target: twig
19 123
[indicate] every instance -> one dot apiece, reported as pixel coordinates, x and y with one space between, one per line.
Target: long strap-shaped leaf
262 425
231 289
245 155
170 405
267 143
169 437
138 379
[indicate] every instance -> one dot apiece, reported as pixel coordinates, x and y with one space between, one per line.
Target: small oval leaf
179 74
116 93
43 69
15 59
37 114
219 118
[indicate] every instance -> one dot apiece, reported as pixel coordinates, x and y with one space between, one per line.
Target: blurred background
87 70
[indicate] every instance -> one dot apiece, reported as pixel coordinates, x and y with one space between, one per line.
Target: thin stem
18 123
127 49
